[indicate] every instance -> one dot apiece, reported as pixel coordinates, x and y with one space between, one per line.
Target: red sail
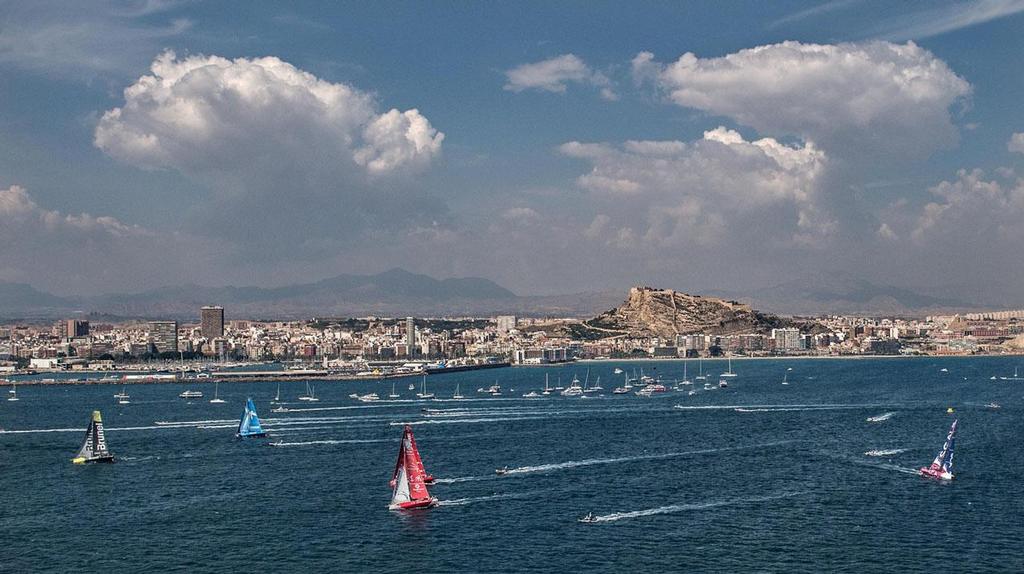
427 478
414 469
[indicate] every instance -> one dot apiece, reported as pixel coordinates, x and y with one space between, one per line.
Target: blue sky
552 147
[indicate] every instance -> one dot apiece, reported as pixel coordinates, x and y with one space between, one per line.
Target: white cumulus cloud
203 114
875 96
554 75
1016 143
974 210
696 191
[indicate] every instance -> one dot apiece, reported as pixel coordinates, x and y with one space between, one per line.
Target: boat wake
774 408
616 516
595 461
332 441
885 452
881 418
491 498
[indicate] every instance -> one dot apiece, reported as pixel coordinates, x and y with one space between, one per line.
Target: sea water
758 476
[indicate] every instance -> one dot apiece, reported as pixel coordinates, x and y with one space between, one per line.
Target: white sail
401 493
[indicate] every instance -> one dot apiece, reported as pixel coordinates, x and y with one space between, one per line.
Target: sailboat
123 394
686 380
728 373
423 394
1015 376
94 447
785 379
310 395
596 386
700 364
277 397
249 426
624 389
393 394
942 467
547 389
216 397
458 395
410 480
13 392
574 389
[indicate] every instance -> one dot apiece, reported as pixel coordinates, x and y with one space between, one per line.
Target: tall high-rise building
164 336
410 334
212 322
76 328
505 323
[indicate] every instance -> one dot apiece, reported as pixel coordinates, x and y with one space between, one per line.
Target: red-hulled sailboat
942 466
410 489
427 477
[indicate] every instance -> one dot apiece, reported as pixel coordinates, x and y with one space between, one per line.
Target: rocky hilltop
665 313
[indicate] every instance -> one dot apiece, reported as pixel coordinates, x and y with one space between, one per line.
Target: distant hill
29 301
665 313
843 293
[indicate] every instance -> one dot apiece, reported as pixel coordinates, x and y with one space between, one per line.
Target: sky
550 147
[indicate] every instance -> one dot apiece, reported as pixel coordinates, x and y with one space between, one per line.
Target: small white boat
993 406
123 394
277 397
190 394
393 394
943 370
617 371
531 395
588 519
547 389
1015 377
423 394
123 401
280 409
216 395
457 396
369 397
495 390
728 373
310 395
722 383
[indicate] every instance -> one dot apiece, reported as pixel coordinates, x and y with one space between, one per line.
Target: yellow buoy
949 410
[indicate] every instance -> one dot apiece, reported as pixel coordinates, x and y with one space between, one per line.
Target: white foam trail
464 421
464 501
686 507
880 418
885 452
791 407
333 441
594 461
32 431
465 479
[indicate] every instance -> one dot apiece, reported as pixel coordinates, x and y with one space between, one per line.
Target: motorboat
502 471
190 395
588 519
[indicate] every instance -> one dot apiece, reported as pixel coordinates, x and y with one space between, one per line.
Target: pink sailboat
942 467
410 489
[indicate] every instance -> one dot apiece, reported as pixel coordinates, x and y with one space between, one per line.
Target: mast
94 447
249 426
409 482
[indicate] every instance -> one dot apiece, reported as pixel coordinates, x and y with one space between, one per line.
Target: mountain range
398 293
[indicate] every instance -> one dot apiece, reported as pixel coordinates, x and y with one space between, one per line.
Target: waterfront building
163 335
212 322
410 335
505 323
786 339
76 328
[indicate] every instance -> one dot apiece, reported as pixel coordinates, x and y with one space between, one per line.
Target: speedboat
589 518
191 395
620 391
494 390
501 471
617 371
993 406
531 395
369 397
722 383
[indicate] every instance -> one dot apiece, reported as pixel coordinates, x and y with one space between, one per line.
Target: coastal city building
212 322
163 335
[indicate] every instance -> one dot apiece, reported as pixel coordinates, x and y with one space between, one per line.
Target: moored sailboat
249 426
423 394
410 480
216 395
942 467
94 447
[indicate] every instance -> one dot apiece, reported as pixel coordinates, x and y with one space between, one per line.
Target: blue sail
249 426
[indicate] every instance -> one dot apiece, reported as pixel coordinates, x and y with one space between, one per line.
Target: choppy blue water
785 486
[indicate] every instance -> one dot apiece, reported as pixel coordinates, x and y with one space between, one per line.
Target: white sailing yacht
277 397
729 373
700 364
310 395
394 395
423 394
458 395
547 389
216 394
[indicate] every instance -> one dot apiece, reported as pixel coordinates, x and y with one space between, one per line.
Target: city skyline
551 150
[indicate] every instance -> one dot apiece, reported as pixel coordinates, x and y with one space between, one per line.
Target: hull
253 435
937 474
414 504
81 460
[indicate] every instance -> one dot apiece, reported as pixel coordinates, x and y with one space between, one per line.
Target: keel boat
94 447
249 426
942 467
410 480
